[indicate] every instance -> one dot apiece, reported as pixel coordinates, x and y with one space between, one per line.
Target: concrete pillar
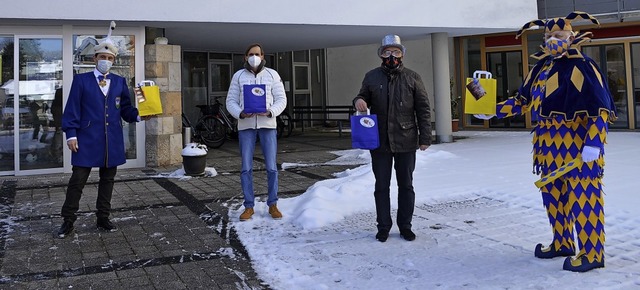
163 65
442 89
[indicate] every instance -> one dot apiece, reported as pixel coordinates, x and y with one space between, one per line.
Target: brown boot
274 212
246 214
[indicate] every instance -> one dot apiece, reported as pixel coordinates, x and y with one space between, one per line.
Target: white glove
483 116
590 153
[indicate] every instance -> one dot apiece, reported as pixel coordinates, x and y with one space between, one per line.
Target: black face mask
391 62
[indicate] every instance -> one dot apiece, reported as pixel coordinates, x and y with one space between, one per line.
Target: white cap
107 45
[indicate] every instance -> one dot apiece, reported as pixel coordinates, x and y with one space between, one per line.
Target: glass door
635 62
220 72
611 59
7 90
35 118
506 68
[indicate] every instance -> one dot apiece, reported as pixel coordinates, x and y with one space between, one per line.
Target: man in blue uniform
97 102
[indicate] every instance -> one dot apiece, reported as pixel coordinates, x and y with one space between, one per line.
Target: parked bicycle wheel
212 131
285 126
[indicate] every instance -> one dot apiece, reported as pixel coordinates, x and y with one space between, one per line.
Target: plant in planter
455 101
455 112
455 107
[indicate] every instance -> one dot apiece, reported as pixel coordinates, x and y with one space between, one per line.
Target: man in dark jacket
398 98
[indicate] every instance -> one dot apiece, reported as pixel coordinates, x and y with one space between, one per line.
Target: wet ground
173 233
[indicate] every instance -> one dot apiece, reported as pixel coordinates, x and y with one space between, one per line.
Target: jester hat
558 23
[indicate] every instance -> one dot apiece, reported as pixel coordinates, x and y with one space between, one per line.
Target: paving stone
169 229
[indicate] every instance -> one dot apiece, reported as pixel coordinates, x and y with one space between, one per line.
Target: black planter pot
194 165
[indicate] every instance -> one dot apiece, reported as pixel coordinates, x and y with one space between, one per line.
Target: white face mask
104 66
254 61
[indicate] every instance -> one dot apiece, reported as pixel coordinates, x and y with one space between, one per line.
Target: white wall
346 67
432 13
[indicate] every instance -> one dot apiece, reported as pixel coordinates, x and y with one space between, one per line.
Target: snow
180 174
194 149
477 218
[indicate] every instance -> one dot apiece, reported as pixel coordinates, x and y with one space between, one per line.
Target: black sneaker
382 235
65 229
407 234
104 224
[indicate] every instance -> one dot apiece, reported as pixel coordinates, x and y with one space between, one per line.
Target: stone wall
164 133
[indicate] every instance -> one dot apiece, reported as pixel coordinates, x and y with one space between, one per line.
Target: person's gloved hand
483 116
590 153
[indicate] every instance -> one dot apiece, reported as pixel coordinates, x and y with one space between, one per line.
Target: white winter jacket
276 97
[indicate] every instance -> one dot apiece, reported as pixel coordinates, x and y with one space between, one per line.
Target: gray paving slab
173 234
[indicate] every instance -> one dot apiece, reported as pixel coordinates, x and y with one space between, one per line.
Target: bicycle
206 131
285 126
214 126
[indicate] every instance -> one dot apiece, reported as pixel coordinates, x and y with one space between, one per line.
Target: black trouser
74 192
404 163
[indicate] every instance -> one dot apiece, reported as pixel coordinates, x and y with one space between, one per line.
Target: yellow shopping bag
480 96
148 97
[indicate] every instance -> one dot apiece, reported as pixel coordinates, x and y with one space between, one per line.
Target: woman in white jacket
256 96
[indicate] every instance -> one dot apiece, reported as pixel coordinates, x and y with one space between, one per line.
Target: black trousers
74 192
404 163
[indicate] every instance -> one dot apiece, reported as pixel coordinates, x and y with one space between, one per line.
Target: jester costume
571 104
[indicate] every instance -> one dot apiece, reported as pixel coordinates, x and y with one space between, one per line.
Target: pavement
172 233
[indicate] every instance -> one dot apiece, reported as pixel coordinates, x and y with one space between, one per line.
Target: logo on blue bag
257 91
367 122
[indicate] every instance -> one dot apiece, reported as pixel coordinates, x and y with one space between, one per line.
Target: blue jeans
269 146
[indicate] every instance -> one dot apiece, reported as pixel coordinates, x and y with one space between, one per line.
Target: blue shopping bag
255 98
364 131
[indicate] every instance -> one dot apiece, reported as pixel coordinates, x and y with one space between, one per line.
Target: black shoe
65 229
550 252
407 234
382 235
104 224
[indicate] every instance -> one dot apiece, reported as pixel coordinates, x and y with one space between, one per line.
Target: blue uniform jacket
95 120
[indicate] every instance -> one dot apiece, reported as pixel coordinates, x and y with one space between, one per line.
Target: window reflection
635 62
40 76
6 104
611 60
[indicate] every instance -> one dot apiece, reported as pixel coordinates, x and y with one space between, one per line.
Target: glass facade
7 89
472 61
206 77
36 71
611 60
618 59
506 68
39 136
635 77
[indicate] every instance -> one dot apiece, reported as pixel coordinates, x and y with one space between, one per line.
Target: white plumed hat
107 45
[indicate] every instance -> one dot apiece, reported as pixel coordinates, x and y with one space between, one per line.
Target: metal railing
604 10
